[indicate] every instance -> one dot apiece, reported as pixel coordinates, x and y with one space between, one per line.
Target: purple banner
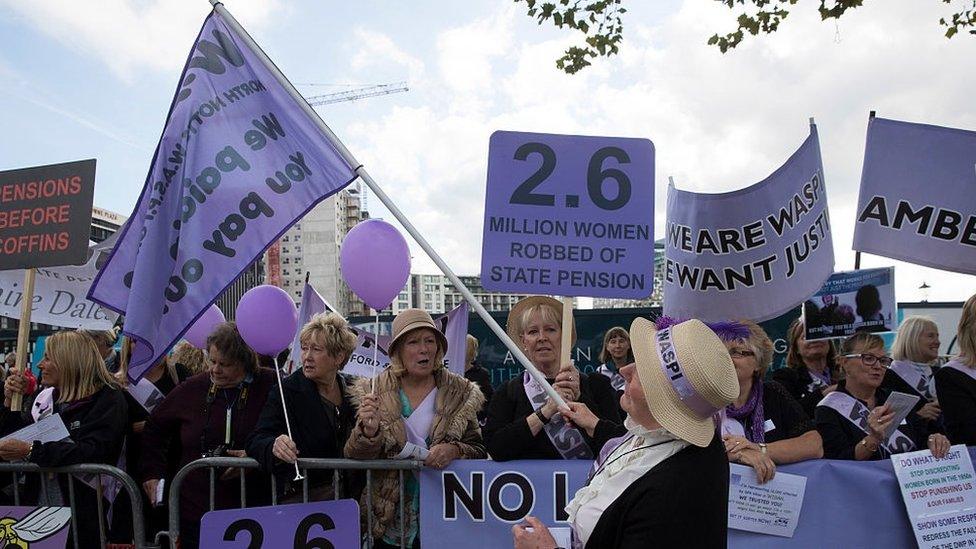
319 524
237 164
754 253
918 195
35 527
569 215
454 326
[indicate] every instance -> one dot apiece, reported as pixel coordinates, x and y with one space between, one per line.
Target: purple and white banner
238 162
918 195
754 253
454 325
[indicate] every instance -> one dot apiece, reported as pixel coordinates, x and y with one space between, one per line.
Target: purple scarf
753 409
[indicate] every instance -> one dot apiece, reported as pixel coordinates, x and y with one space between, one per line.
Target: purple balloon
200 330
267 319
375 262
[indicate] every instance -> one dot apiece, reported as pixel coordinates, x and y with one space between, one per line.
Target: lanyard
240 400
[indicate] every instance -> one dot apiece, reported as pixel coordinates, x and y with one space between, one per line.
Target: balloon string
376 348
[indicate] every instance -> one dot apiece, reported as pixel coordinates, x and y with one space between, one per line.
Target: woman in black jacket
955 382
319 410
811 371
93 409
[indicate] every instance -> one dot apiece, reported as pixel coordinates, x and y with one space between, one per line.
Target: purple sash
911 374
568 440
43 404
617 381
857 413
956 365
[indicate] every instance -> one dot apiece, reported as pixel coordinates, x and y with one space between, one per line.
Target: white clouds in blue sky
94 79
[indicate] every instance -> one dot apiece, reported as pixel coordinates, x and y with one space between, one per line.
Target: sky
85 79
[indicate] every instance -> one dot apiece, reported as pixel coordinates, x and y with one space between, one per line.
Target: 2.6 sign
319 525
569 215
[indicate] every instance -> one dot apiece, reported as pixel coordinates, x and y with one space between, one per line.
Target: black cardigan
507 434
799 384
682 502
315 432
957 396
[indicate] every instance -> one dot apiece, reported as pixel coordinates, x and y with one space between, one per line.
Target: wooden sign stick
23 333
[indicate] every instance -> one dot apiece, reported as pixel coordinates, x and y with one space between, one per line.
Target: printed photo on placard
850 302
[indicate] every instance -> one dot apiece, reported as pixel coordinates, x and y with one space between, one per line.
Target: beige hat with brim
513 325
697 380
412 319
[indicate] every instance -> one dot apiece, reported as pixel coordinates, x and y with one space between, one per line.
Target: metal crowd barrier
338 465
135 495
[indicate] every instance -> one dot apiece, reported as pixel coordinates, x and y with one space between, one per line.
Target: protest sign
852 301
772 508
917 201
238 162
569 215
35 527
489 497
59 295
939 497
754 253
45 215
320 524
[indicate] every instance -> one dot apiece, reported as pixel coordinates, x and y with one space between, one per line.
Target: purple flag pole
390 205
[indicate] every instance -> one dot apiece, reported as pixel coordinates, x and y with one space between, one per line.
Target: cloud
132 37
719 122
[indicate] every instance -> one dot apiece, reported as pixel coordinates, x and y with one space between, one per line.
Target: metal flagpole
390 205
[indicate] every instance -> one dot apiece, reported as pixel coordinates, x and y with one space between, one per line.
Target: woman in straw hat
956 381
666 481
765 426
522 421
417 410
854 420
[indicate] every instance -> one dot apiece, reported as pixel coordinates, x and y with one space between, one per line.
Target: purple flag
754 253
237 164
454 326
918 195
312 304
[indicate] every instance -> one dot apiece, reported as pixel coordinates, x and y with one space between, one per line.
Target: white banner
59 294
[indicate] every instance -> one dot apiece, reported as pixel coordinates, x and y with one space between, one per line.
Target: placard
35 527
321 524
852 301
939 497
772 508
45 215
569 215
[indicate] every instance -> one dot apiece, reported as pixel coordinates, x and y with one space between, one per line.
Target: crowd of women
719 406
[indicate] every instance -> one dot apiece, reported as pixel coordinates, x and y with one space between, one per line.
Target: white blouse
627 463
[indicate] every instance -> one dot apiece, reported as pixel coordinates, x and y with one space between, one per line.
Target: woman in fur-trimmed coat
419 410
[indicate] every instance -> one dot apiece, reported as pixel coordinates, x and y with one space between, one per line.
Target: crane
374 90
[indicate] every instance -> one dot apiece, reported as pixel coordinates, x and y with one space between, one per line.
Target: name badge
903 422
768 426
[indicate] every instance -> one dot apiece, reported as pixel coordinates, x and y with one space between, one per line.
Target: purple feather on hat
726 331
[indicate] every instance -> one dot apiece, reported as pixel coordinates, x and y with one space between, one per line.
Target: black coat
507 433
682 502
317 431
799 384
96 426
957 397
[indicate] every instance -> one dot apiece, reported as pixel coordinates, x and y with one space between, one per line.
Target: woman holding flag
415 409
319 407
523 422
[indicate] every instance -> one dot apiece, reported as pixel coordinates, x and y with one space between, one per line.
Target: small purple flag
238 163
312 304
918 195
754 253
454 326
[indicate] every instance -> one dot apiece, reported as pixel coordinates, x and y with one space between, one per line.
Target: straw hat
411 319
514 323
697 381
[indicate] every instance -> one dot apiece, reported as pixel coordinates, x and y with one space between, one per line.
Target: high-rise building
656 299
436 294
311 247
105 223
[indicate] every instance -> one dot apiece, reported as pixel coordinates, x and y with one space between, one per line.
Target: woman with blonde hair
856 423
955 382
415 409
916 347
319 406
190 357
93 408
